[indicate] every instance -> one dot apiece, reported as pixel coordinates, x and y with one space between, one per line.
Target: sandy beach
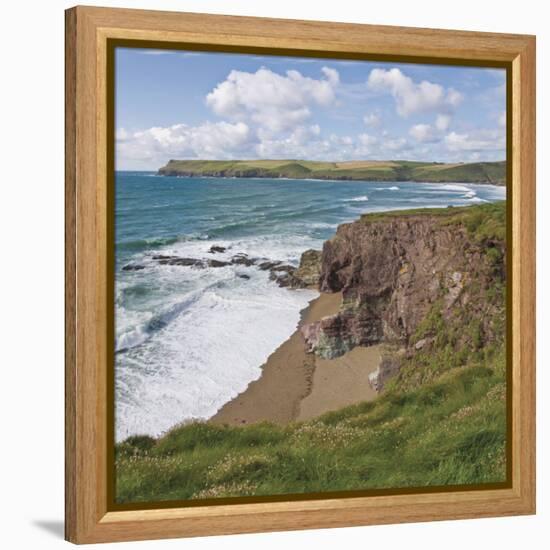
340 382
295 385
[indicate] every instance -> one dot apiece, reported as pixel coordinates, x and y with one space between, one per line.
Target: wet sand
295 385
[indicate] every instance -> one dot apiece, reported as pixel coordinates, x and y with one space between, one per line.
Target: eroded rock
309 271
392 270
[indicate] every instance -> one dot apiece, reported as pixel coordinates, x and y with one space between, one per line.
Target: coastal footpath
420 296
357 170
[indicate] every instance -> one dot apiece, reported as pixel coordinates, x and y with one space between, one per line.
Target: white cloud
273 101
304 142
411 97
332 75
502 119
367 139
209 140
453 98
423 132
475 141
373 120
427 133
395 145
442 122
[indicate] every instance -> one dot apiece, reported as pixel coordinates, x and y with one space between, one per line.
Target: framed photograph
300 274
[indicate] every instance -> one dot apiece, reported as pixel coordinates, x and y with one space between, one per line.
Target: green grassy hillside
451 431
441 421
479 172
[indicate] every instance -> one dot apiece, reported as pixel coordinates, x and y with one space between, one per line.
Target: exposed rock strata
393 270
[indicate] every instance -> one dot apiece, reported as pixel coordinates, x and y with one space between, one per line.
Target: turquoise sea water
188 340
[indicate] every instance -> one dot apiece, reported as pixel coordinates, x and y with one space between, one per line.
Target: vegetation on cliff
441 419
395 170
448 432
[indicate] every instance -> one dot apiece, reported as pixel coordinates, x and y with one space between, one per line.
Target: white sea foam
452 187
323 225
133 337
198 351
476 199
362 198
392 188
206 355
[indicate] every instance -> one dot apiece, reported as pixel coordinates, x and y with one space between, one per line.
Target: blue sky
185 105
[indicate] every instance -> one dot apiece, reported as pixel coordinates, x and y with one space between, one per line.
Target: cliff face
401 272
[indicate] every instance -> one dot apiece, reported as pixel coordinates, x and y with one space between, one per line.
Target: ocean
190 339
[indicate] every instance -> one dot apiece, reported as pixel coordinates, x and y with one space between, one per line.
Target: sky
197 105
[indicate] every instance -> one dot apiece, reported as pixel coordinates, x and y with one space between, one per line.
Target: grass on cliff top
483 222
451 431
394 170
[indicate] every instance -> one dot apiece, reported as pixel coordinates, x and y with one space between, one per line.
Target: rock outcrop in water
285 275
403 273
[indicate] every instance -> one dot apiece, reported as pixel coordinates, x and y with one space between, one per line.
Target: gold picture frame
91 36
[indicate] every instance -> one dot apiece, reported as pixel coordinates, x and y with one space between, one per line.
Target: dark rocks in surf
269 265
217 263
283 275
133 267
177 260
242 259
199 263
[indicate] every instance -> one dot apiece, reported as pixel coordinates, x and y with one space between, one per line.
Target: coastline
159 174
295 385
357 170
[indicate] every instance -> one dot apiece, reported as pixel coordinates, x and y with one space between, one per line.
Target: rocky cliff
406 276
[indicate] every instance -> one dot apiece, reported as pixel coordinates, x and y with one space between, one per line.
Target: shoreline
333 180
295 385
487 172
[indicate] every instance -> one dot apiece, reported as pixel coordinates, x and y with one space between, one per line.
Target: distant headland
361 170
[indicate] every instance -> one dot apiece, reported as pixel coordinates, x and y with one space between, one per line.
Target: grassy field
441 421
450 431
484 222
479 172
